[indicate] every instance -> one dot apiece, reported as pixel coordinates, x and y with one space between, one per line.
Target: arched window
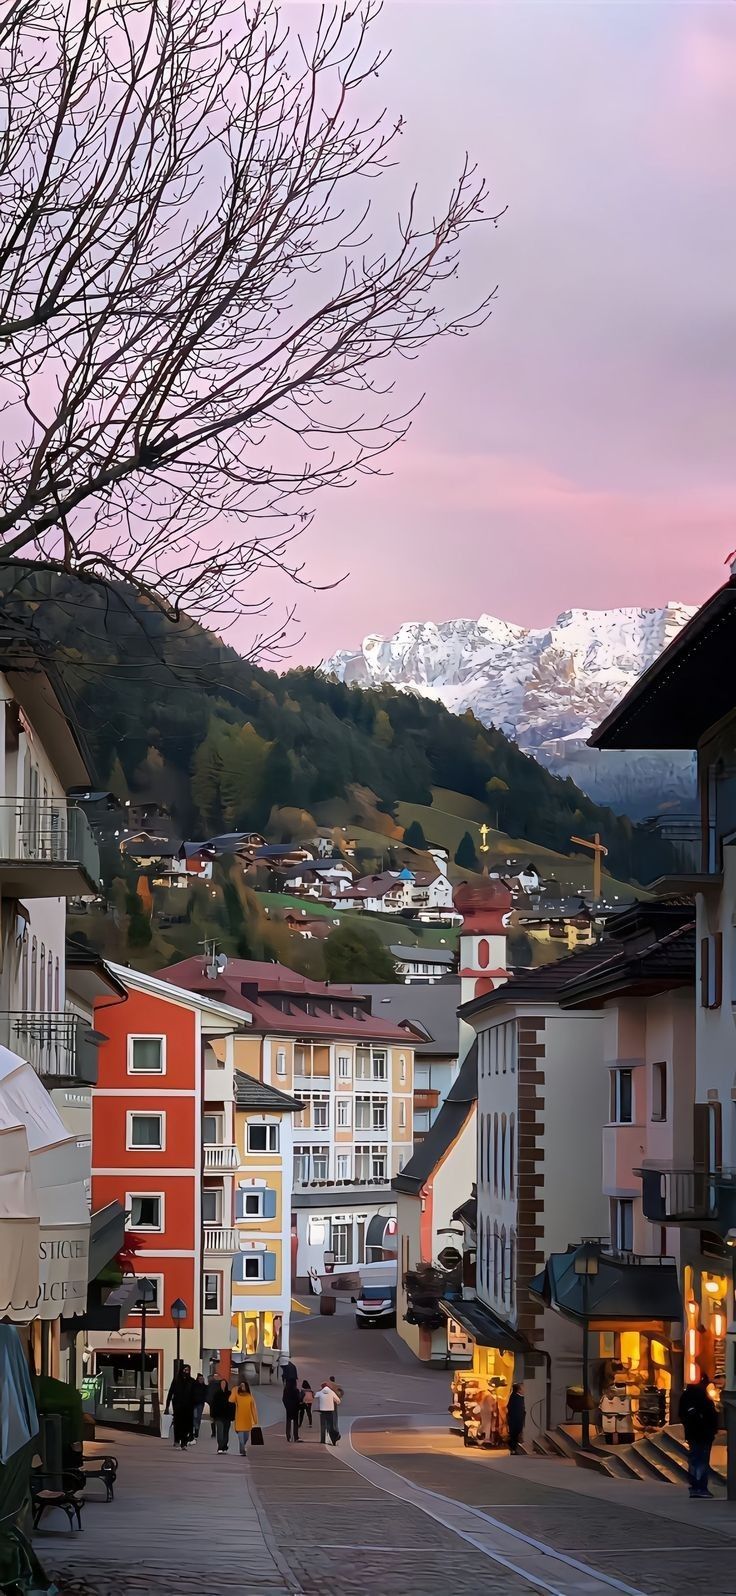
496 1268
33 995
57 990
50 983
42 982
503 1155
512 1269
484 954
504 1265
488 1254
495 1154
24 973
512 1155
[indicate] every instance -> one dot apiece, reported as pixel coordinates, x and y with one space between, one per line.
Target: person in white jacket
326 1404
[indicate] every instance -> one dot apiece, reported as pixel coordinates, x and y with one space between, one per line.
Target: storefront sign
63 1255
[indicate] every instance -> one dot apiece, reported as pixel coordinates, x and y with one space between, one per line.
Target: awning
624 1288
106 1236
483 1327
44 1234
109 1314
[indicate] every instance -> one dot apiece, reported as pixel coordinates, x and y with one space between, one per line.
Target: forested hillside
175 714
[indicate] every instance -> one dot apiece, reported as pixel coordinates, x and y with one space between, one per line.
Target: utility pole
599 852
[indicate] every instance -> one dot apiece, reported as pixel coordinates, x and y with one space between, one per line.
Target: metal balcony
60 1046
223 1241
47 849
690 1196
219 1156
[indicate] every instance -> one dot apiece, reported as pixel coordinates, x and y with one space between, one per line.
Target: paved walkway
182 1524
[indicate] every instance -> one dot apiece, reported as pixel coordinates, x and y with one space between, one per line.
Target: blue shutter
240 1205
269 1204
239 1267
269 1266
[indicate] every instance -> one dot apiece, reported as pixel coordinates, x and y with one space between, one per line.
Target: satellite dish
221 963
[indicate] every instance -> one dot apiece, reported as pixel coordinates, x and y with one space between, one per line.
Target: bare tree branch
193 304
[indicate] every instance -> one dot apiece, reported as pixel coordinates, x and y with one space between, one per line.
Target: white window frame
346 1159
379 1114
256 1257
376 1153
402 1069
146 1036
344 1063
320 1105
281 1061
272 1137
217 1192
153 1310
148 1230
344 1118
322 1151
402 1113
302 1153
616 1074
256 1192
212 1274
619 1240
145 1147
381 1053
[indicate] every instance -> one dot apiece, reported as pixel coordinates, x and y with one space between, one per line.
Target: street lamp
586 1265
146 1294
179 1311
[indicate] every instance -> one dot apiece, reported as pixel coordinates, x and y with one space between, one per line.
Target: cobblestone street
398 1507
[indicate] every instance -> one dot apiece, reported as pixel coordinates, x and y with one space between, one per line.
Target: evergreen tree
355 953
465 854
139 923
414 836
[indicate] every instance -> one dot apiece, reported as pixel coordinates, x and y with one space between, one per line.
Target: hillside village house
163 1146
422 965
51 1247
353 1075
686 700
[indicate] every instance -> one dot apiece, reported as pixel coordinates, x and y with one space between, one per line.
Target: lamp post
179 1311
586 1265
146 1294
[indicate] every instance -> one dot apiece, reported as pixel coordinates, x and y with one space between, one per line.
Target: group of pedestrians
300 1401
187 1399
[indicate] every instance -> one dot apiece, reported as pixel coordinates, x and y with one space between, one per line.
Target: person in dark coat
222 1409
180 1400
212 1391
288 1372
200 1397
292 1400
516 1417
699 1419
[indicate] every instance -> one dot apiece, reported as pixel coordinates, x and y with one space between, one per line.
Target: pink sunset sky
579 449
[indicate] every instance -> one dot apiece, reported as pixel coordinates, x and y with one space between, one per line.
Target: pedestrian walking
307 1398
292 1400
222 1410
288 1372
200 1397
699 1419
246 1415
338 1390
212 1390
326 1403
180 1401
516 1417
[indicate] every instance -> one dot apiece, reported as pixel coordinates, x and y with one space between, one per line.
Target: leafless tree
193 308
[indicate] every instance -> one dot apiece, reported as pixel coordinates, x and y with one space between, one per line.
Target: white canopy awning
44 1222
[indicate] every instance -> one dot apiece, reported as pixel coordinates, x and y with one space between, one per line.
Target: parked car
375 1305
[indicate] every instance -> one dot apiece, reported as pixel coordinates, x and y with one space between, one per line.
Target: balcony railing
220 1240
689 1196
220 1155
40 836
300 1184
60 1046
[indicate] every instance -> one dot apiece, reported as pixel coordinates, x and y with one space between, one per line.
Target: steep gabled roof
545 982
689 688
286 1004
453 1116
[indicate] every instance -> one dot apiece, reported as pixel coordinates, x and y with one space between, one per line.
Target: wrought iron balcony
220 1156
60 1046
689 1196
47 849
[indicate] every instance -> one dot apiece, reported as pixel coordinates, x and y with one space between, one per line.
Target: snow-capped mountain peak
545 687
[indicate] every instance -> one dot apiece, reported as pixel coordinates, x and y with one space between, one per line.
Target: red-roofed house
354 1074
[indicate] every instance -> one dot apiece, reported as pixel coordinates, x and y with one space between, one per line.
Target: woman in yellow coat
246 1414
